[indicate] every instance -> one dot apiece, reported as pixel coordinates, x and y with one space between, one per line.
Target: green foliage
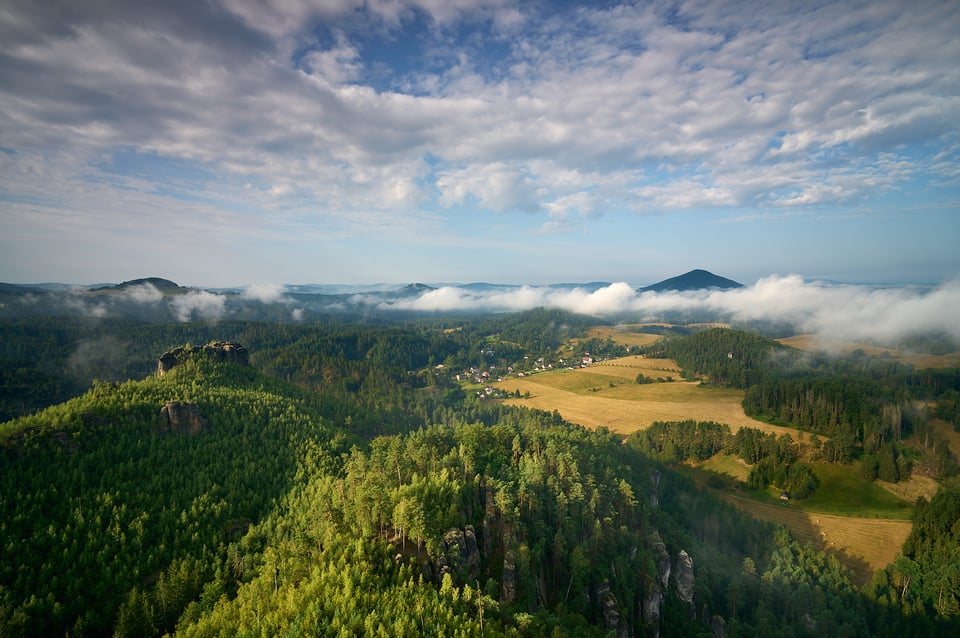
927 574
723 356
325 506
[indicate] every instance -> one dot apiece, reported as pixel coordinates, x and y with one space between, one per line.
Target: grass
813 343
858 522
843 492
608 395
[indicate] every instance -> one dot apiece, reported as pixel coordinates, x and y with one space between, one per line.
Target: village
476 376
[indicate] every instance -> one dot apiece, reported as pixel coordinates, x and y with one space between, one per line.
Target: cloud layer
258 121
843 312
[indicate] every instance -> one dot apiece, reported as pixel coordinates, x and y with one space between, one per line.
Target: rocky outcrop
655 489
508 585
718 626
656 594
609 610
683 578
461 557
217 350
183 417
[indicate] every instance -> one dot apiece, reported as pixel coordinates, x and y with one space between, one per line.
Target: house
784 496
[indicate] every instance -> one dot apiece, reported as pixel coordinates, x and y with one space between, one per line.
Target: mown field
607 394
813 343
863 524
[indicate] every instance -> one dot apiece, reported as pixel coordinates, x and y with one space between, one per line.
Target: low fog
846 312
869 314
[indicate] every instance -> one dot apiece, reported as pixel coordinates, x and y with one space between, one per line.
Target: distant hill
693 280
157 282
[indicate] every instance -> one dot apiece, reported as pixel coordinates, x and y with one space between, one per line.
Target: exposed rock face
183 417
461 555
608 607
684 578
219 350
508 586
657 593
718 626
654 490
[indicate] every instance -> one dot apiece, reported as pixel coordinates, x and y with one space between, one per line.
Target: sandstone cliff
218 350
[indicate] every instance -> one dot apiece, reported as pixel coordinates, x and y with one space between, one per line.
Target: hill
693 280
163 285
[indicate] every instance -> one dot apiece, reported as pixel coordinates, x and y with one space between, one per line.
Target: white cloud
266 293
843 312
143 293
285 125
201 304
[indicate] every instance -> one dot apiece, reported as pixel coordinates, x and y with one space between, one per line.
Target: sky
262 142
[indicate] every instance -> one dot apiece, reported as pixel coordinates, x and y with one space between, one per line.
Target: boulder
183 417
461 557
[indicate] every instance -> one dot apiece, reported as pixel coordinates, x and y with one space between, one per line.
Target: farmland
863 524
812 343
606 394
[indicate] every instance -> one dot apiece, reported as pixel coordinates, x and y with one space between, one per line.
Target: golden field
607 394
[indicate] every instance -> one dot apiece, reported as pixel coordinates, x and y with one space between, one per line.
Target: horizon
238 141
855 312
469 282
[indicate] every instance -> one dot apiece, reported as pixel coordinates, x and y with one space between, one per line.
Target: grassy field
862 544
860 523
863 524
626 335
607 394
813 343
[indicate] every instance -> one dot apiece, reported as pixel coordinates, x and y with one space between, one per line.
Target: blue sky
236 142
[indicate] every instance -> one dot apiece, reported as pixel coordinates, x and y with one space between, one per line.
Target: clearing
814 343
860 523
607 394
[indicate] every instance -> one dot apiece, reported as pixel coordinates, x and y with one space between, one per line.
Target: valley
250 478
847 518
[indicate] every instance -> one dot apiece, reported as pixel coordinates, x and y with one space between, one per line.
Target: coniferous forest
341 482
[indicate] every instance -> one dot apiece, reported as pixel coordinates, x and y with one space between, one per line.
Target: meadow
607 394
813 343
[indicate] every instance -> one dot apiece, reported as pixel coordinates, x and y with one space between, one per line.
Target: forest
345 484
866 406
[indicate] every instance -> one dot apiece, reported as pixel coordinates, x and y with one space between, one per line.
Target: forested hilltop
346 483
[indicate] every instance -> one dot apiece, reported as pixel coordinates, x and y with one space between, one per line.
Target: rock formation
609 611
218 350
508 585
656 594
461 556
183 417
683 577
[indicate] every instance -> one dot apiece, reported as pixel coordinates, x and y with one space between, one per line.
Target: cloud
302 118
266 293
200 304
843 312
143 293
